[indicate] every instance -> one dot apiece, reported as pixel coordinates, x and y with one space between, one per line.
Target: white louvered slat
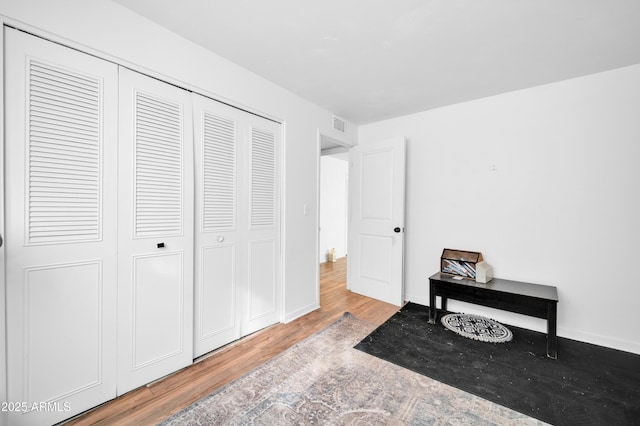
263 178
64 156
219 173
158 167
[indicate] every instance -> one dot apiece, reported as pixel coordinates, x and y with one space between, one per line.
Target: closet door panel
158 315
218 292
261 283
263 304
42 286
61 270
219 235
155 243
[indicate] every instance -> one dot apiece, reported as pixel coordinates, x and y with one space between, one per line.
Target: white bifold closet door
61 198
237 240
155 235
100 228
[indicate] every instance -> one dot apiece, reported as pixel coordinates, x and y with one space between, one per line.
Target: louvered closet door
238 261
219 220
155 244
61 148
262 253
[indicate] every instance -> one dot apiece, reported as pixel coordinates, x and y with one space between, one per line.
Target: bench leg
433 312
552 338
432 303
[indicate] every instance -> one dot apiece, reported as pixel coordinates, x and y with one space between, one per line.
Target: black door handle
396 229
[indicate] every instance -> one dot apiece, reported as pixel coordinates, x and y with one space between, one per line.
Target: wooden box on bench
459 262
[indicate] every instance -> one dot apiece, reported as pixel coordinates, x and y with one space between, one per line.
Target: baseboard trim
596 339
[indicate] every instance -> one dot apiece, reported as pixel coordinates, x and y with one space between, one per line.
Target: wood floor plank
155 402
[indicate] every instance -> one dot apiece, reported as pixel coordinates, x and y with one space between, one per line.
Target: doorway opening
333 199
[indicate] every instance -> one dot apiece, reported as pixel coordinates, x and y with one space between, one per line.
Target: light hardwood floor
155 402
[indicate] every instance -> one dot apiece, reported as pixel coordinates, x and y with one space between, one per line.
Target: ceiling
368 60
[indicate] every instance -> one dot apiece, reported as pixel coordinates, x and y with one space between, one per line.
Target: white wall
334 172
546 183
108 30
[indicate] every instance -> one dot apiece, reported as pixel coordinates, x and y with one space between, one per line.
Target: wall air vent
339 124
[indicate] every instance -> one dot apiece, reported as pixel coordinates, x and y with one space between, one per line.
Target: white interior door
61 197
376 226
155 243
219 231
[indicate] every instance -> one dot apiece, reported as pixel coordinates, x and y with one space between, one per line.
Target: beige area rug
323 380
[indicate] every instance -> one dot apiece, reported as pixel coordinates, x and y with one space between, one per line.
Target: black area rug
586 385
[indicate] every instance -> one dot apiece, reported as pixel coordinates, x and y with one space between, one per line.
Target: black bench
535 300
